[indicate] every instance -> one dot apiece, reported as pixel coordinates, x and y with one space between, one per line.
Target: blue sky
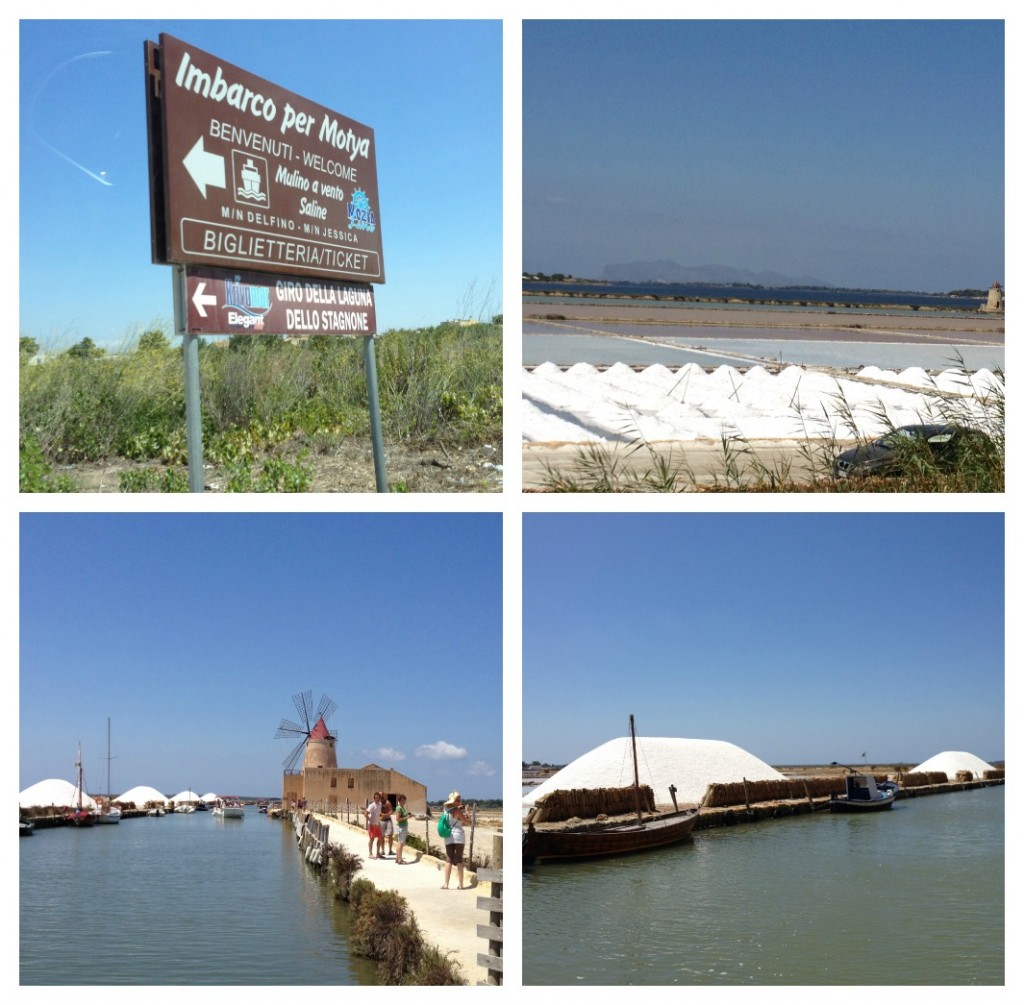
193 631
803 638
431 91
860 153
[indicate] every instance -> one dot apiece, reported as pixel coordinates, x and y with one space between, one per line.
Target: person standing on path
455 841
402 822
387 827
372 814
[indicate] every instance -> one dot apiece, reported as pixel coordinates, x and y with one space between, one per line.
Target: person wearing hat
455 843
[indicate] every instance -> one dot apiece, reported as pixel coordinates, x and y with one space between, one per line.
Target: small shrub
151 480
35 474
341 866
437 968
358 890
278 475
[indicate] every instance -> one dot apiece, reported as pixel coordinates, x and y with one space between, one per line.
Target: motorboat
863 794
108 814
229 809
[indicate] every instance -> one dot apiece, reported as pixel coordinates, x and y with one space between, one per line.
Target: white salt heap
584 404
952 761
141 795
690 765
54 792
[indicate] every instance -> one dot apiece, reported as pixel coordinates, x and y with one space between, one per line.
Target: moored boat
863 794
229 809
599 838
80 817
108 813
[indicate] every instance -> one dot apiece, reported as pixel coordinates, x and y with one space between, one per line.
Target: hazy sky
430 90
860 153
802 638
193 631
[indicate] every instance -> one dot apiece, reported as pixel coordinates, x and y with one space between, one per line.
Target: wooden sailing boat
554 842
81 817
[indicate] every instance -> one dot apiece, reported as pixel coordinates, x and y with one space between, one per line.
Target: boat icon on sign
250 178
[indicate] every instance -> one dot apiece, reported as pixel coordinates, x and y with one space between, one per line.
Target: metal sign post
370 360
193 412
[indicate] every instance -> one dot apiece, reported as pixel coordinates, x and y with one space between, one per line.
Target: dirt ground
868 325
347 468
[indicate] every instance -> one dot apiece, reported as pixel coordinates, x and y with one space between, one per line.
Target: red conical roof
320 731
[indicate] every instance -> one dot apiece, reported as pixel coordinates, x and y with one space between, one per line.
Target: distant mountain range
673 272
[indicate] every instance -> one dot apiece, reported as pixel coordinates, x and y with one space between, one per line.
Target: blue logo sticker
252 303
360 216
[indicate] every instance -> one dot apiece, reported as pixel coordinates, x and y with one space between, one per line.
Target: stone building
323 785
996 300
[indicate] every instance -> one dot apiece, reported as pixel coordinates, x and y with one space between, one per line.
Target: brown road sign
228 302
247 175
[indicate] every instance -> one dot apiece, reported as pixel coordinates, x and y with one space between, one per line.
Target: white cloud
386 754
441 751
481 768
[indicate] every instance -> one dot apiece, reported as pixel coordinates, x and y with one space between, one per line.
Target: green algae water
909 896
184 899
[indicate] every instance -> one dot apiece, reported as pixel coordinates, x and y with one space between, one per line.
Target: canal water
183 899
910 896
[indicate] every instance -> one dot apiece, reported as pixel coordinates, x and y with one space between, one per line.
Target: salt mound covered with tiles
690 765
952 761
585 404
54 792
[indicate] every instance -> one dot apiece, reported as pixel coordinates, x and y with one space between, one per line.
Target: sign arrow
201 302
205 168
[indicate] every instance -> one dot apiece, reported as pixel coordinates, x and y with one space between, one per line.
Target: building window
351 782
334 782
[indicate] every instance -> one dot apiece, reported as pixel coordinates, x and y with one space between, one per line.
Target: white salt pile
690 765
53 792
141 795
584 404
952 761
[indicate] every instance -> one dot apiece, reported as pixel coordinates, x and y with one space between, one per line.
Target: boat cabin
861 787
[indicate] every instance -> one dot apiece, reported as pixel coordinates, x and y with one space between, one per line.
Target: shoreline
845 302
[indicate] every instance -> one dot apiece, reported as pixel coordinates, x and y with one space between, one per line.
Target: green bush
341 867
436 968
385 930
35 474
152 480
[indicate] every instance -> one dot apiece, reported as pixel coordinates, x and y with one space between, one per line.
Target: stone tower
996 300
320 752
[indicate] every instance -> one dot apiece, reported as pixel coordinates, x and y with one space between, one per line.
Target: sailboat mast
78 764
636 773
108 758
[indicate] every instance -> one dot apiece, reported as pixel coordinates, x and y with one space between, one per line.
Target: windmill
315 741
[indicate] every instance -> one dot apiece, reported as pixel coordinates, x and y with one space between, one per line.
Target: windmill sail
314 740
